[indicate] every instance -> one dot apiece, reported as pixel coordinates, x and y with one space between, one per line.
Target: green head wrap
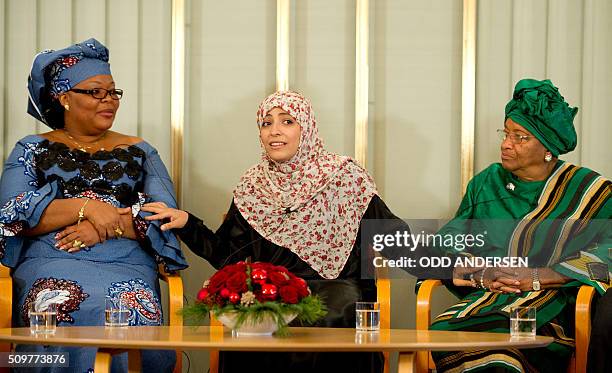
538 106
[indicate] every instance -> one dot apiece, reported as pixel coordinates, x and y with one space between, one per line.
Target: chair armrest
175 305
383 293
4 271
6 302
423 319
215 330
175 294
583 325
6 297
423 303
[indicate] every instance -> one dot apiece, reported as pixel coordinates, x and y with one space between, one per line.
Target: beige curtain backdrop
414 97
567 41
137 33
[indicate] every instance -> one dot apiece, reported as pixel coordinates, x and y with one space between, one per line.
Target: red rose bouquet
254 291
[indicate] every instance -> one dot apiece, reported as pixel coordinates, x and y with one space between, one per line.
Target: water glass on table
523 322
367 316
43 318
116 312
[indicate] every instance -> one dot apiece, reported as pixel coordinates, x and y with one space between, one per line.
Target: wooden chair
213 361
6 301
578 362
383 291
175 304
175 292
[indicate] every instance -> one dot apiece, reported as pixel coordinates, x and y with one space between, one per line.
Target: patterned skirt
482 311
80 288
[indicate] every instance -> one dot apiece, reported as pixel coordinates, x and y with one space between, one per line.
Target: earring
548 157
67 107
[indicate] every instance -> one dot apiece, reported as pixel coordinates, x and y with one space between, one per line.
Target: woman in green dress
535 206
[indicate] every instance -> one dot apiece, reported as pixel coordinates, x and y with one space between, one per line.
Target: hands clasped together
97 222
496 279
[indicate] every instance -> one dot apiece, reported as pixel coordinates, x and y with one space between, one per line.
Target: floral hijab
311 204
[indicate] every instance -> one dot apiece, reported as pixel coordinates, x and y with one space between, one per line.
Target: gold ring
77 243
119 231
82 246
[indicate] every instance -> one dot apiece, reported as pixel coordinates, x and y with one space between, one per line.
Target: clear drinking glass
117 312
369 337
43 318
523 321
367 316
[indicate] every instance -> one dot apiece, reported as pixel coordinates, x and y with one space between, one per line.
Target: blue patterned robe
39 171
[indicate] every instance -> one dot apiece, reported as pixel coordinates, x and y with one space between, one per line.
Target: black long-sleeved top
236 240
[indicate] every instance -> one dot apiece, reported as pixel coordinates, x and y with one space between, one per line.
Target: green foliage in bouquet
255 291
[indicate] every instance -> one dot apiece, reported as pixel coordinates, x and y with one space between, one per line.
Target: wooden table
132 339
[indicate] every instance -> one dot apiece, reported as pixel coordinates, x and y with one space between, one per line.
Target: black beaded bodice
114 175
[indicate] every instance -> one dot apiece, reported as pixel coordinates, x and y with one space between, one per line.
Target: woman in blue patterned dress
70 226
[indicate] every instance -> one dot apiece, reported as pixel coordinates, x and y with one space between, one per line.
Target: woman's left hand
76 237
497 280
524 278
521 279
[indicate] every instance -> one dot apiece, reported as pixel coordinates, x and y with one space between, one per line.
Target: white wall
231 56
322 66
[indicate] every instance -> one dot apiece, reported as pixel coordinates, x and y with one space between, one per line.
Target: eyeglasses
515 138
101 93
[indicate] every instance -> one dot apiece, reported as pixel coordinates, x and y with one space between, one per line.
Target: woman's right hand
501 280
76 237
105 218
178 218
495 279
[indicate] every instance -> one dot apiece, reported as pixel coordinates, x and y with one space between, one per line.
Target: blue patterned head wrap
56 72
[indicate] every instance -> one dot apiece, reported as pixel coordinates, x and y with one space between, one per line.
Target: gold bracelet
82 212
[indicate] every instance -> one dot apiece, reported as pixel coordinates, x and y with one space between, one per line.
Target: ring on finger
77 243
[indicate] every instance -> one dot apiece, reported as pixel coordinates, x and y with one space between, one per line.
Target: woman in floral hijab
300 207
